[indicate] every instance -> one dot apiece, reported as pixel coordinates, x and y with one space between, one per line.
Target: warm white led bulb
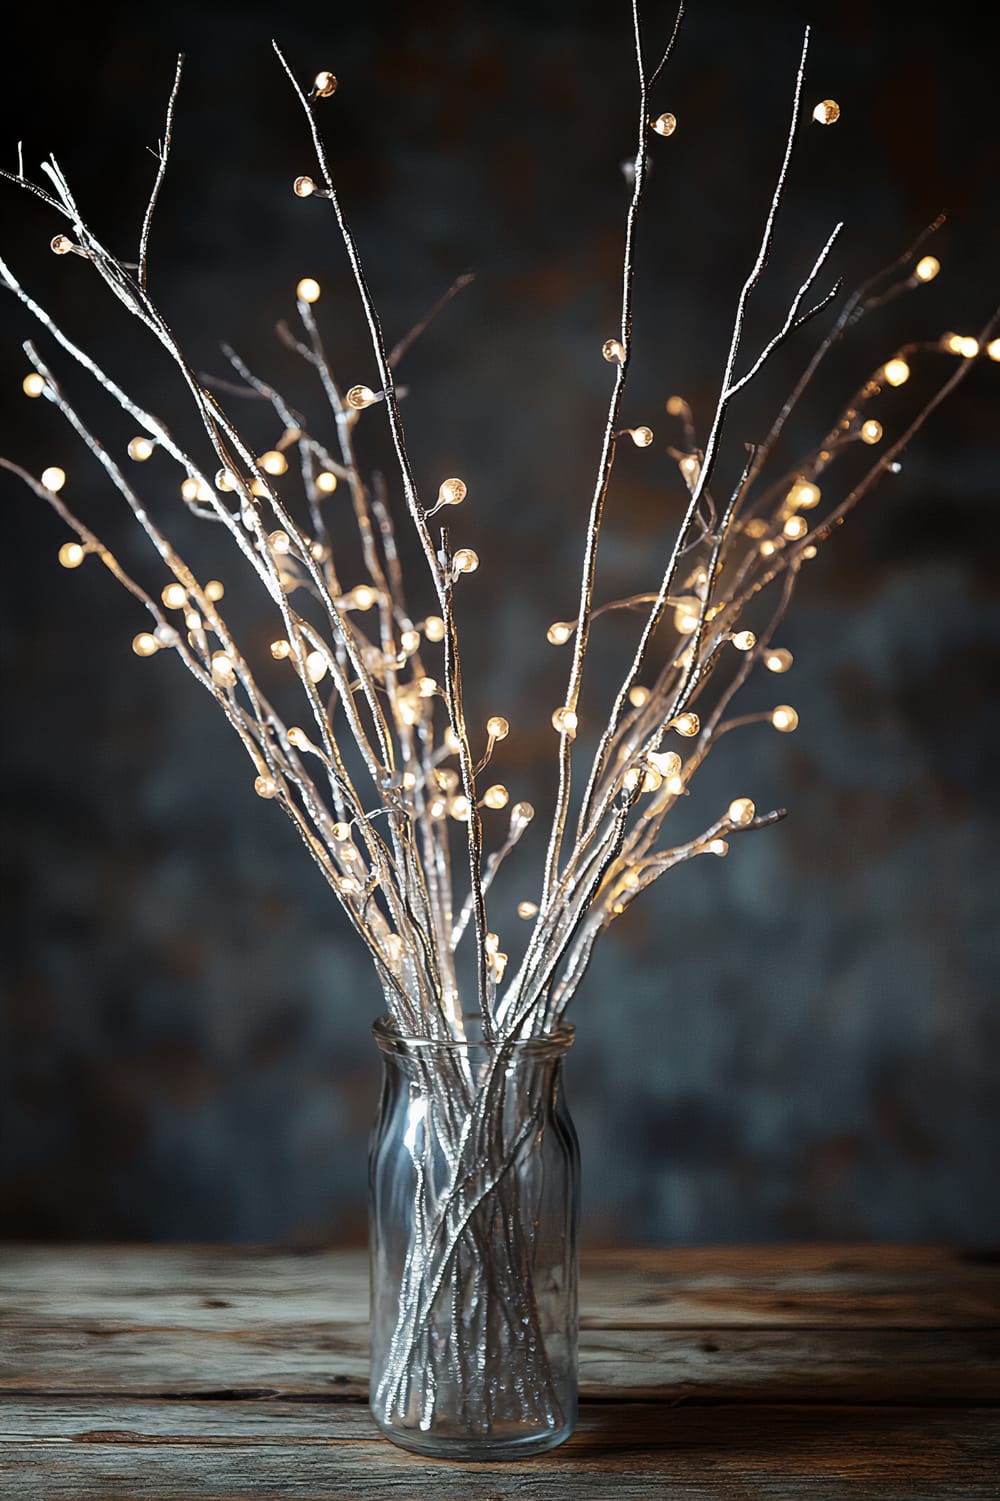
273 462
33 384
280 649
560 631
686 724
927 268
307 290
641 436
667 763
803 495
265 787
174 596
827 112
638 695
222 666
496 796
896 372
140 449
778 659
784 718
326 482
795 527
316 666
664 124
324 84
459 808
145 644
520 816
359 397
465 560
303 187
497 727
565 721
71 555
744 641
434 628
742 811
452 492
53 478
214 590
613 351
871 431
527 909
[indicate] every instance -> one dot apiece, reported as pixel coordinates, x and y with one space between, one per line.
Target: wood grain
802 1374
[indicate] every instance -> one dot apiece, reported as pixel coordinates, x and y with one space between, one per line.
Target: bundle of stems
385 786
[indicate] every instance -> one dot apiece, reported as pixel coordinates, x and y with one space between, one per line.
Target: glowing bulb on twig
53 478
265 787
140 449
308 289
927 268
827 112
742 811
687 616
61 245
778 659
279 541
464 561
145 644
496 796
766 548
273 462
409 641
527 910
613 351
784 718
744 641
520 816
225 480
560 631
363 597
565 721
324 84
993 349
174 596
803 495
968 348
686 724
667 763
638 695
434 628
460 808
303 187
718 847
451 493
33 384
71 555
896 372
214 590
222 667
497 728
641 436
326 482
280 650
359 397
871 431
795 527
427 687
316 666
664 124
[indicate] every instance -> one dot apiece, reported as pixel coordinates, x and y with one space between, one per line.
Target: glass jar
473 1175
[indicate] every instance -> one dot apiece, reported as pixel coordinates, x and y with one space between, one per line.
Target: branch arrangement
384 778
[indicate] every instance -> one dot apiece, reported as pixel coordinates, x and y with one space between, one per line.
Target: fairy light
460 808
744 641
140 449
408 781
766 548
303 187
896 372
742 811
71 555
520 816
927 268
718 847
755 527
452 492
687 616
222 667
496 796
225 480
192 620
145 644
195 489
638 696
560 631
447 779
827 112
265 787
810 551
427 687
326 482
437 807
674 785
993 349
359 397
499 963
686 724
316 666
364 596
409 642
53 478
497 728
174 596
452 743
214 590
324 84
464 561
664 124
298 739
871 431
280 649
565 721
613 351
308 289
527 910
33 384
434 628
784 718
340 832
968 348
641 436
667 763
273 462
795 527
61 245
690 467
803 495
778 659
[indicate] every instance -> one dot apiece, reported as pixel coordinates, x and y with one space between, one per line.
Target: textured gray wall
800 1041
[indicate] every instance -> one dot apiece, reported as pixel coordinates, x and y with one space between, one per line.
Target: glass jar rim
390 1039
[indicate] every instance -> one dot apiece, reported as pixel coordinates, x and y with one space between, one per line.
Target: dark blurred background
800 1041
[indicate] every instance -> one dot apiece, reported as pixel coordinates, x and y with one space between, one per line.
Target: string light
214 590
993 349
225 480
718 847
496 796
520 816
664 125
560 631
451 493
71 555
409 642
145 644
527 910
324 84
497 728
613 351
33 384
53 478
676 406
303 187
434 628
686 724
340 832
427 687
675 785
667 763
778 659
265 787
871 431
810 551
641 436
744 641
896 372
298 739
565 721
784 718
194 489
316 666
638 696
499 963
308 289
258 488
326 482
280 649
968 348
192 620
61 245
690 467
687 616
359 397
140 449
460 808
766 548
452 743
927 268
273 462
174 596
222 667
803 495
279 541
464 561
827 112
742 811
755 527
364 596
795 527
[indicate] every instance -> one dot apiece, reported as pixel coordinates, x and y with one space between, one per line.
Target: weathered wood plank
232 1451
735 1364
879 1287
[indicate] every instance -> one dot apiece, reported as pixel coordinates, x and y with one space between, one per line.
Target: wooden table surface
800 1373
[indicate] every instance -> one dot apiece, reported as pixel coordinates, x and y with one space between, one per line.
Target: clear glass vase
474 1172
